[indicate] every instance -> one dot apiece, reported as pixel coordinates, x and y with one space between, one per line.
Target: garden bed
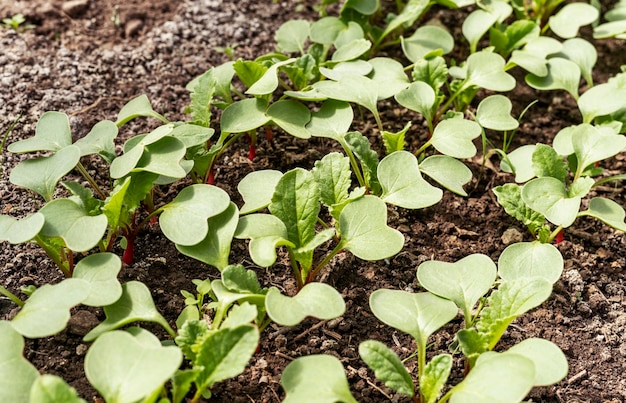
88 59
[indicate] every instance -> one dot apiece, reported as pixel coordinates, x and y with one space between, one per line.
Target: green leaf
237 278
562 74
402 182
52 133
192 134
268 83
463 282
546 162
291 116
519 161
316 379
433 72
318 300
181 383
100 270
266 232
292 36
358 89
516 35
136 107
582 53
202 91
511 299
99 141
427 41
593 145
126 368
17 375
244 115
486 70
603 99
20 231
342 69
509 196
214 249
476 25
453 137
134 305
494 112
249 71
67 220
360 146
607 211
571 17
296 203
325 30
47 310
419 97
530 259
257 189
351 50
163 157
83 197
333 176
549 197
413 9
225 354
497 378
448 172
42 174
333 120
364 230
190 337
550 362
435 376
387 367
184 219
418 315
52 389
388 77
395 141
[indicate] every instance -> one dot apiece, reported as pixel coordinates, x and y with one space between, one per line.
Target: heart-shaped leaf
387 367
99 141
476 25
292 35
550 362
316 379
358 89
453 137
269 81
562 74
100 270
41 175
20 231
463 282
425 41
549 197
494 112
601 100
607 211
136 107
47 310
325 30
592 145
333 120
487 71
68 220
134 305
530 259
582 53
164 157
17 375
51 134
364 230
402 182
291 116
126 368
184 219
51 389
257 189
570 18
244 115
388 76
418 97
448 172
351 50
318 300
266 232
215 248
418 315
496 378
520 162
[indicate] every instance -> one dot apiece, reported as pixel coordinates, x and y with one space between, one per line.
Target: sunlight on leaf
317 300
316 379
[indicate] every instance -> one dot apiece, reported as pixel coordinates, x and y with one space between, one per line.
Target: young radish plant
526 271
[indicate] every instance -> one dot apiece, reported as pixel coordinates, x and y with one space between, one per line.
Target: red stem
129 252
211 178
559 237
252 151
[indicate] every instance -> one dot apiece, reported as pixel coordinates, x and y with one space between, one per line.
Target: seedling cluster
310 87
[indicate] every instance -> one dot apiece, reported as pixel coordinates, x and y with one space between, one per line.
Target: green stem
454 96
313 273
421 361
54 254
422 148
353 163
554 233
296 270
11 296
92 182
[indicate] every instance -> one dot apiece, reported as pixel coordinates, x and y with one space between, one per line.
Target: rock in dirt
82 322
75 8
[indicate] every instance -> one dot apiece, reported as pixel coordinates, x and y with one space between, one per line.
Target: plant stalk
11 296
92 182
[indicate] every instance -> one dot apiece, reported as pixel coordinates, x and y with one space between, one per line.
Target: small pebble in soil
512 235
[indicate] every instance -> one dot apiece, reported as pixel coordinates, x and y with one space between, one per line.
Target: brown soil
88 58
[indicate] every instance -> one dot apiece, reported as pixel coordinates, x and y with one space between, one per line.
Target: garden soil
87 58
